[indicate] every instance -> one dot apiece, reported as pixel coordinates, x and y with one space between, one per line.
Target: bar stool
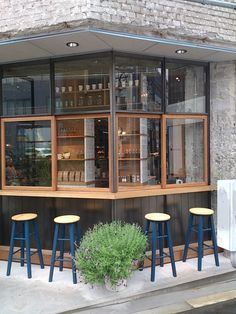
160 230
200 214
72 221
23 222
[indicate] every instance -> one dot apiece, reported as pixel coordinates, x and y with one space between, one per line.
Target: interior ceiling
90 41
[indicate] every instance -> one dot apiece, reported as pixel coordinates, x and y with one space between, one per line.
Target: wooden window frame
77 117
137 116
164 150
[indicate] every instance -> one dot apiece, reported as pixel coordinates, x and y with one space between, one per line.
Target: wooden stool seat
24 217
201 211
157 217
67 219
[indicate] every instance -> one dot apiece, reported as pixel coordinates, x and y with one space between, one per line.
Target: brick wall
166 18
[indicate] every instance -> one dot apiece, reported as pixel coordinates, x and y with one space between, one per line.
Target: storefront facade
117 126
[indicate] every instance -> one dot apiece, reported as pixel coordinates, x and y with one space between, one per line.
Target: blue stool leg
200 242
62 236
54 247
27 245
160 234
213 236
13 229
72 251
188 236
154 247
78 233
37 240
22 247
169 243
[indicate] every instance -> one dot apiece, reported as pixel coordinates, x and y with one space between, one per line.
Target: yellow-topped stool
201 215
61 222
160 230
23 222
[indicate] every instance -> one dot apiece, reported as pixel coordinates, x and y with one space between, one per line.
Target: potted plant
106 252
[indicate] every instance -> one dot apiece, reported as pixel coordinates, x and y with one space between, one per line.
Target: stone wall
222 123
166 18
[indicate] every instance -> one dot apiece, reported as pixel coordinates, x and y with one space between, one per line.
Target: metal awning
92 40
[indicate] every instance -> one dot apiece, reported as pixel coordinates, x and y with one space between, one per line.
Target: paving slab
18 294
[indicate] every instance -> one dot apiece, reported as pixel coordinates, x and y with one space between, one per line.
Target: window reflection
26 90
138 85
28 153
185 88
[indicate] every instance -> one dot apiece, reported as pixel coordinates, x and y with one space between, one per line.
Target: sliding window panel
185 88
27 155
26 90
138 151
186 150
82 153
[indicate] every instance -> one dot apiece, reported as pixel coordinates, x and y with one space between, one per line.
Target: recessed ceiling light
180 51
72 44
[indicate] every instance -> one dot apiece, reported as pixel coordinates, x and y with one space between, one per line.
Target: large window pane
82 85
28 153
26 90
138 151
82 152
185 150
186 88
138 85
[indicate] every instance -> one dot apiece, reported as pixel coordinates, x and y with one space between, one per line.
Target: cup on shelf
87 87
123 84
57 89
130 83
70 88
117 83
80 87
63 89
100 86
94 86
136 82
108 85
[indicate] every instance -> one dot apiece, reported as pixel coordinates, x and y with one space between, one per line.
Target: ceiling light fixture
72 44
180 51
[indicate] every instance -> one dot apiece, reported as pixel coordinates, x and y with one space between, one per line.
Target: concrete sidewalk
18 294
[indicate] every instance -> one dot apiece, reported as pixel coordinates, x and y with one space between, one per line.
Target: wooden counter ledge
106 194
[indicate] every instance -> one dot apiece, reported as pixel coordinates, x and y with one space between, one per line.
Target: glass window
185 88
26 90
82 153
139 151
185 150
82 85
28 153
138 85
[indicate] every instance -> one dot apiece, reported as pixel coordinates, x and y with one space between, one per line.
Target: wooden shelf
71 136
75 159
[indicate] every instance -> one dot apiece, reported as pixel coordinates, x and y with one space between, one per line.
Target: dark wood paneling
93 211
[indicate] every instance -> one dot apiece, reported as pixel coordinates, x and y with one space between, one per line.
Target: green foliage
107 252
